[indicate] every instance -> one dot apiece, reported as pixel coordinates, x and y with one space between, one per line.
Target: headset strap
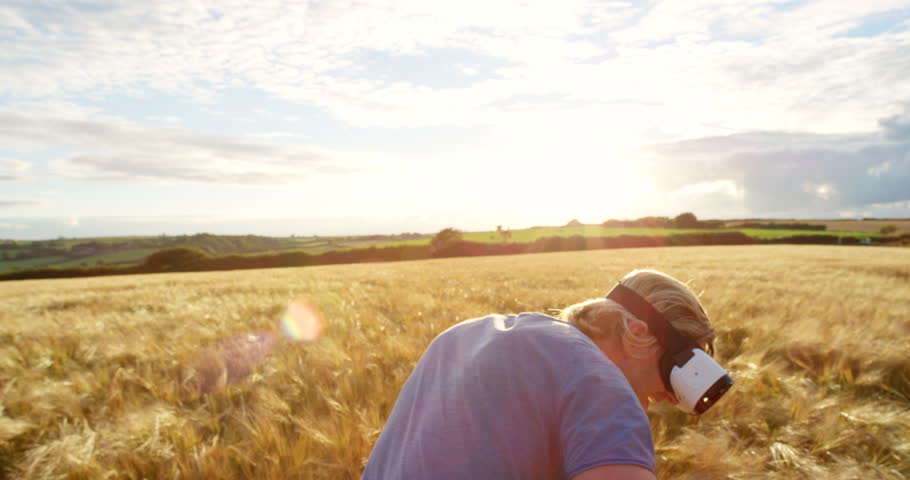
668 336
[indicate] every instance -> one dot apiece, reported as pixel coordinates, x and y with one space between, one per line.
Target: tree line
211 244
686 220
447 243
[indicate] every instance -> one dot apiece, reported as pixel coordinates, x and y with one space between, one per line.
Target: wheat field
170 376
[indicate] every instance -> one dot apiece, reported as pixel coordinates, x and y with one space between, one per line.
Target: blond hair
602 319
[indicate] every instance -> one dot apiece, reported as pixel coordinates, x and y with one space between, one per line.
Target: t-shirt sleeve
601 421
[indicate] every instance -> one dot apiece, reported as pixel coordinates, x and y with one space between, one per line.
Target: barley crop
186 375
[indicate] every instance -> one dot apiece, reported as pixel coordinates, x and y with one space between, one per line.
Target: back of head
602 319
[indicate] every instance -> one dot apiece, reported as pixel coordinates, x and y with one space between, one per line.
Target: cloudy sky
347 117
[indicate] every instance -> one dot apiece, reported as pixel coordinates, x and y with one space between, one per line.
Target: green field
133 250
317 245
528 235
123 257
11 265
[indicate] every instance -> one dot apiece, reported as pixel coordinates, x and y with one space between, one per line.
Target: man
529 396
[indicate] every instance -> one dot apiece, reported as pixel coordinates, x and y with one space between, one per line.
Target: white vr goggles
687 370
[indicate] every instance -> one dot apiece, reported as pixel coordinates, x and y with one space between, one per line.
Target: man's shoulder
528 336
532 325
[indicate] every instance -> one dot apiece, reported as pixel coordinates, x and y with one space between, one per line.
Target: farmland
127 251
65 253
902 226
100 377
527 235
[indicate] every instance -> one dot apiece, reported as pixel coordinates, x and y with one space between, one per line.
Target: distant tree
711 224
888 229
445 239
614 223
499 228
685 220
651 222
7 257
177 258
573 223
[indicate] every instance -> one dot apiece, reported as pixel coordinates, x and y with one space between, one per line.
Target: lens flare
235 358
300 322
228 362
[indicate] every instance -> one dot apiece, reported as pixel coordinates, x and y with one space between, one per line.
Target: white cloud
723 187
720 198
802 21
58 108
125 151
789 174
17 202
13 226
274 135
822 191
164 118
561 88
468 70
11 164
880 169
12 169
832 85
763 65
878 210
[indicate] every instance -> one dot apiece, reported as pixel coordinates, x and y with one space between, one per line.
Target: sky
359 117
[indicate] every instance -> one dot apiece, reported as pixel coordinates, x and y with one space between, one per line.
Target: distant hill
869 225
17 256
124 251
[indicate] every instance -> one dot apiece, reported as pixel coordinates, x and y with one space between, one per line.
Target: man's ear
637 341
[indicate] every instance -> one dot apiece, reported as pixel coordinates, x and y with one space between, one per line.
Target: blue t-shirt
519 396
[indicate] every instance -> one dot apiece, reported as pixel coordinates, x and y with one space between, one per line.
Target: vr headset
687 370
